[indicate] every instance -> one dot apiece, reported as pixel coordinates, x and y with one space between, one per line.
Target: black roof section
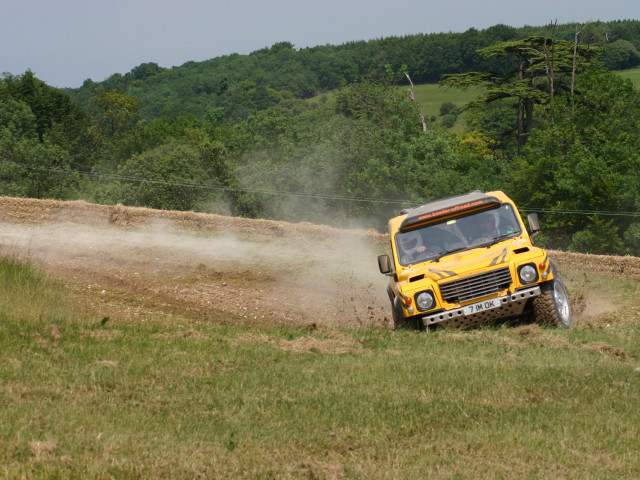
445 207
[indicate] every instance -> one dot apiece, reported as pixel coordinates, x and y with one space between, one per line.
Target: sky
65 42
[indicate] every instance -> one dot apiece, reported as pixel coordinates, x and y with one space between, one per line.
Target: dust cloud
256 277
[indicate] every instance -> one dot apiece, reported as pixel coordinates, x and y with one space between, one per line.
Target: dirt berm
131 262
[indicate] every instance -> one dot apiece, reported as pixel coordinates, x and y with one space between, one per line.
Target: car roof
446 206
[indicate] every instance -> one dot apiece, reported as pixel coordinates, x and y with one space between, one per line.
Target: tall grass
84 398
27 293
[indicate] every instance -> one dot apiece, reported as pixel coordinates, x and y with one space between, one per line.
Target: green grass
632 74
85 398
430 97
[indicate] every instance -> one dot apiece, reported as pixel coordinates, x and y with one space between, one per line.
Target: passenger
486 226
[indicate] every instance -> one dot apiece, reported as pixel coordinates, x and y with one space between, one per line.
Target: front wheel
552 306
399 321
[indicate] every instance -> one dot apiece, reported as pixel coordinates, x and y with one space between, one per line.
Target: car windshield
433 241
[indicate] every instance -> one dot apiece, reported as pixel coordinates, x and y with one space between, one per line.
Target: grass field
632 74
430 98
85 397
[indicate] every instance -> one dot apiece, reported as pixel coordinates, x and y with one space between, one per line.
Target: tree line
555 129
233 86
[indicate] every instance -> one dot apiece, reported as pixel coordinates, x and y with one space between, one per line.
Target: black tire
399 320
397 315
552 306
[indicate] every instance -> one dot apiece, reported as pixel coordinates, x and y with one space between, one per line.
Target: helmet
410 240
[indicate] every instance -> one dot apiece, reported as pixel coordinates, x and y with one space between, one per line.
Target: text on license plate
481 306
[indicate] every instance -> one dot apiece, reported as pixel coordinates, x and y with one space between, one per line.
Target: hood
467 261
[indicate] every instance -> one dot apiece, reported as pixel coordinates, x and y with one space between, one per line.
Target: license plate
481 306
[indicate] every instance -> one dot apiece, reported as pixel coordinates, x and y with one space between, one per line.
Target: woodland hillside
336 134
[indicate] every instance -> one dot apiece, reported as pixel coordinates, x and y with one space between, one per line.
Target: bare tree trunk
522 138
549 60
575 59
413 99
528 126
576 44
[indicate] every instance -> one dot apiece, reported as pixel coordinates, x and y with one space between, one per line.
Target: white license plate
481 306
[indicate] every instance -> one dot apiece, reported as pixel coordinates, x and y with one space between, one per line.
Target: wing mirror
384 264
534 224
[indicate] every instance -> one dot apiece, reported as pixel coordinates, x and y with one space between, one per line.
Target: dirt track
131 262
135 261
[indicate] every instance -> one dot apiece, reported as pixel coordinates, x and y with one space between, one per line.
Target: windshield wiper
447 252
495 240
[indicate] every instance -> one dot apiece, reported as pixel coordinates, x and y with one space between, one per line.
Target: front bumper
509 306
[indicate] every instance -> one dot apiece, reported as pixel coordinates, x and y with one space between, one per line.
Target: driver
411 247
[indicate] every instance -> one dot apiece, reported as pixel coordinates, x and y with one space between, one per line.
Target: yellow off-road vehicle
466 260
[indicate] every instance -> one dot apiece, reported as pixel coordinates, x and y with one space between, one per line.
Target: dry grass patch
327 341
329 346
190 334
251 338
101 334
42 451
321 470
108 363
536 335
607 349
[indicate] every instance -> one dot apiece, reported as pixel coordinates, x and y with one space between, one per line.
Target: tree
620 54
29 167
145 70
56 118
587 160
379 104
116 112
536 58
170 177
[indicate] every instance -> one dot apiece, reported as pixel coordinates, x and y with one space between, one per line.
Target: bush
600 238
449 120
447 107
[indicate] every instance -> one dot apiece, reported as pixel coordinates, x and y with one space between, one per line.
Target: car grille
476 286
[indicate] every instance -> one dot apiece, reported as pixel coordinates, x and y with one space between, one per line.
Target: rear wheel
552 306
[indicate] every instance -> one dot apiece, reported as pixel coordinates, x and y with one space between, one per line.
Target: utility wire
579 212
111 176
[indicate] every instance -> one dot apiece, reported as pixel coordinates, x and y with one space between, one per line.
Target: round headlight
528 274
425 301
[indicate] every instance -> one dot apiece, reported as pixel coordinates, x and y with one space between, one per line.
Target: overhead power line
112 176
579 212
